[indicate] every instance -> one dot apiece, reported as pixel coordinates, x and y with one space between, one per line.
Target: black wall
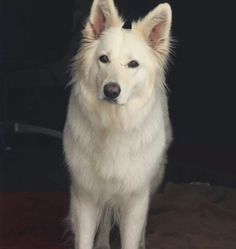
201 81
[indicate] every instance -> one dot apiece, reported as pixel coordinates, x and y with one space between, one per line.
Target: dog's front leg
103 235
133 216
84 218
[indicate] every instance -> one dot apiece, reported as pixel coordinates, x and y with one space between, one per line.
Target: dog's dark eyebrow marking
127 25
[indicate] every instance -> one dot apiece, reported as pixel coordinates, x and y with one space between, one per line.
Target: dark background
38 40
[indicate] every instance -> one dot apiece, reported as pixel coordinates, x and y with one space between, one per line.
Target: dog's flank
117 129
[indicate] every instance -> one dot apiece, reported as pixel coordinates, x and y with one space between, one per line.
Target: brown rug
193 217
182 217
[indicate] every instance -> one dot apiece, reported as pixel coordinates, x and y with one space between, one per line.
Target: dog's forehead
121 41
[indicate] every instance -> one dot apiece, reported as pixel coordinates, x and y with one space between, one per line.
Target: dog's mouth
111 101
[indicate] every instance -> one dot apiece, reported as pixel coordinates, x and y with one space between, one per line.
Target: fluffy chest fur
114 161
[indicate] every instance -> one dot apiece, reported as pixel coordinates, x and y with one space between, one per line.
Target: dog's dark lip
112 101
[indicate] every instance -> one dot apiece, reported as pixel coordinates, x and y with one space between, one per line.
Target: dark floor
182 216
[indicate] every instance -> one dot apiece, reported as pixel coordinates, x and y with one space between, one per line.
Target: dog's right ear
103 14
155 27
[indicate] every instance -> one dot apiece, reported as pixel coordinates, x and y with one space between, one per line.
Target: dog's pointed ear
155 27
103 14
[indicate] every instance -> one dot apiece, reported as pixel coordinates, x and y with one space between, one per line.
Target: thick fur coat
117 130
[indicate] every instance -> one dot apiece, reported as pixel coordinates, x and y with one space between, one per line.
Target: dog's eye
133 64
104 59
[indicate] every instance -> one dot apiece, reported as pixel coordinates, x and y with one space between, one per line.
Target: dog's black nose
111 90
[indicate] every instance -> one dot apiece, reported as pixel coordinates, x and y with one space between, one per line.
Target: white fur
116 152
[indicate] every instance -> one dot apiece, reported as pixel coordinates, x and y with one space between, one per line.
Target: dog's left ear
103 14
155 27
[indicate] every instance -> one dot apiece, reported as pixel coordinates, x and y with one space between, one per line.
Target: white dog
117 129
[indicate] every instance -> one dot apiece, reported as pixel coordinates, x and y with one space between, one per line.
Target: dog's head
122 66
121 63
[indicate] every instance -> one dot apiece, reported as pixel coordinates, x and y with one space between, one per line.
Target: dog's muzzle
111 91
